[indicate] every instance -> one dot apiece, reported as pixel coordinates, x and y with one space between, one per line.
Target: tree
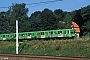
35 21
58 13
44 20
68 20
86 28
2 20
85 13
18 12
49 21
78 18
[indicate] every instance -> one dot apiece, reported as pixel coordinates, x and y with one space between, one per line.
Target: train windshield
72 32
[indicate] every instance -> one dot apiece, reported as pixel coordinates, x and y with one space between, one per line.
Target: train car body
67 33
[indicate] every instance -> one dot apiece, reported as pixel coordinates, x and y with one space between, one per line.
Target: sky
65 5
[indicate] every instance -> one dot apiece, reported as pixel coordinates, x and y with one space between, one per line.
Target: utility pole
17 37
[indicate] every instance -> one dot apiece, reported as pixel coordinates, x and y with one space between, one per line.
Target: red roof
76 27
77 30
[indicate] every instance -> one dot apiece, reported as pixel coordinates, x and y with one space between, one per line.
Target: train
60 33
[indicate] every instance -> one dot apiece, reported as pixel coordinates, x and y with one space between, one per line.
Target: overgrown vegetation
75 47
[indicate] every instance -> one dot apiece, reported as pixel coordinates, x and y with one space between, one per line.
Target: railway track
37 57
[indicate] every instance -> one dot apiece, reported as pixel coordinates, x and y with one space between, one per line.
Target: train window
64 32
68 31
59 32
8 35
23 35
29 34
72 32
3 35
55 32
42 33
51 32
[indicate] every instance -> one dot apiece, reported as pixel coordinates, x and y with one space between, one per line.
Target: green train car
68 33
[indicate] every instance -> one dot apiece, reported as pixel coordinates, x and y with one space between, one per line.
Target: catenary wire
37 4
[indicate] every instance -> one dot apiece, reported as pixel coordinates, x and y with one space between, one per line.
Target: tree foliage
85 13
43 20
8 19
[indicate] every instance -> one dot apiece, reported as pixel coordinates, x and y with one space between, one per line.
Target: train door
32 35
54 34
42 35
49 34
67 33
38 35
60 34
64 33
29 35
4 37
72 32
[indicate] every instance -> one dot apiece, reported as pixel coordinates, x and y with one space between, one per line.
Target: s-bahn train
66 33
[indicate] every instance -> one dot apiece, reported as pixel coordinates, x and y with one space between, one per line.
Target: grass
7 47
80 48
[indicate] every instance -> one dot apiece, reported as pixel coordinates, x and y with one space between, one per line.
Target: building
76 27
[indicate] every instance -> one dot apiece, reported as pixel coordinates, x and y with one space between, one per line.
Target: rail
37 57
